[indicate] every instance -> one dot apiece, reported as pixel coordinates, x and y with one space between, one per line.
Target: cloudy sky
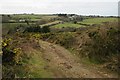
83 7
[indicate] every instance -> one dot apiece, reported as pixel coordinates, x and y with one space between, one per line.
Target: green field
10 26
32 16
26 16
66 24
98 20
86 21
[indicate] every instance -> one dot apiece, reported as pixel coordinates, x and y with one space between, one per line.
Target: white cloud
103 7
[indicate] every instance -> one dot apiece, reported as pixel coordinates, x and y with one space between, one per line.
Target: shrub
104 43
10 55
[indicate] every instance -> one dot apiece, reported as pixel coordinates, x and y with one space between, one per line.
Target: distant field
56 24
66 24
51 23
26 16
33 16
98 20
9 26
34 20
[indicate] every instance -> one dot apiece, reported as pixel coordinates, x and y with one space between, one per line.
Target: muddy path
63 64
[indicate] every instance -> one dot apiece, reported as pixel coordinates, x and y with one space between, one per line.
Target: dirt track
63 64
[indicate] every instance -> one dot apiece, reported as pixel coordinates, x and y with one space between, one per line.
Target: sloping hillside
43 59
95 45
65 49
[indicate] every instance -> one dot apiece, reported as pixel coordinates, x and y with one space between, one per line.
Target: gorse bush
104 43
10 55
40 29
65 39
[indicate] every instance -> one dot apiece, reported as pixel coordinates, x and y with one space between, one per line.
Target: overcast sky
82 7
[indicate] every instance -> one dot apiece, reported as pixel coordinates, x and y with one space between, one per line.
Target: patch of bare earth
63 64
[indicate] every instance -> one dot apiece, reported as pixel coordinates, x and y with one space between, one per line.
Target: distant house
73 17
21 20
